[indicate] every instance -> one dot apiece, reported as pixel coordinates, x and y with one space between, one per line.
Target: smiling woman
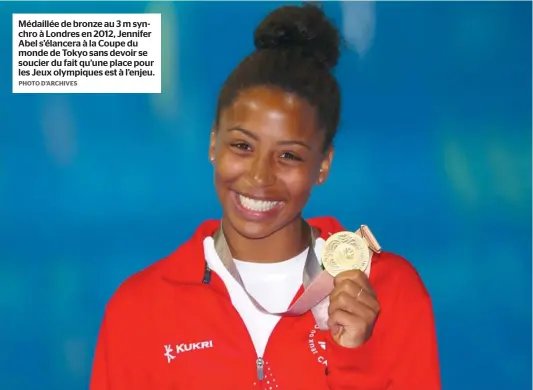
212 303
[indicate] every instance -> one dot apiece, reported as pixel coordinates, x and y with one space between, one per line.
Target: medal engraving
345 251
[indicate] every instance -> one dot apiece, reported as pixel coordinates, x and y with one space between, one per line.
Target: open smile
257 207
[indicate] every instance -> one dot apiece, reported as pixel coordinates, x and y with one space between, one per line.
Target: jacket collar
187 264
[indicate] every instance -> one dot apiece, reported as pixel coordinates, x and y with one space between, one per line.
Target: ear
325 166
212 144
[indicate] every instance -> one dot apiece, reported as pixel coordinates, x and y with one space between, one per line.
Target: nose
262 171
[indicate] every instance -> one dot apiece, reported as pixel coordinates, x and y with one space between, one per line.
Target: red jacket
173 326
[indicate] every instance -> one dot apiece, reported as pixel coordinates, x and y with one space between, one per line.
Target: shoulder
393 275
134 293
149 287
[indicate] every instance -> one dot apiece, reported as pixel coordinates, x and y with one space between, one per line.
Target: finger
341 318
357 293
348 286
345 302
368 300
356 276
333 326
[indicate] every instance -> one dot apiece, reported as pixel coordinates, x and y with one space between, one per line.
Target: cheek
228 167
299 183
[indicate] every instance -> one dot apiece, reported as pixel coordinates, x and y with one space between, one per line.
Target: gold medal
345 251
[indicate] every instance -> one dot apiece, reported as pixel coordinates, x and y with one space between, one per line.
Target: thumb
334 327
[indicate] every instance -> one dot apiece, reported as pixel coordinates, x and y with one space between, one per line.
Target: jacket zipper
260 364
260 361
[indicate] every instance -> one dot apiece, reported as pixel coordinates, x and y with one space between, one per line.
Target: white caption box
86 53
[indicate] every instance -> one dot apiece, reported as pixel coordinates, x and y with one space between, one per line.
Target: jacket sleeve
406 356
112 365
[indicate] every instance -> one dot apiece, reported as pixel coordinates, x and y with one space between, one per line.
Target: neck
281 245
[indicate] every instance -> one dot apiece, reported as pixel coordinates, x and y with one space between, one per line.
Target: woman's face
268 155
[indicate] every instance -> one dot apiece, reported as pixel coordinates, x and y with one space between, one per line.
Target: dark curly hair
296 49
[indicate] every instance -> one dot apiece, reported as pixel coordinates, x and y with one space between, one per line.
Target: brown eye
290 156
241 146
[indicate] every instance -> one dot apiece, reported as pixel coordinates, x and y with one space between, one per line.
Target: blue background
436 124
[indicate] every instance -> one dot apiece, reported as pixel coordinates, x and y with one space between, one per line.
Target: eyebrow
254 137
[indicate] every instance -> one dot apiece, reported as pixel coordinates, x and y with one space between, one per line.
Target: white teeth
257 205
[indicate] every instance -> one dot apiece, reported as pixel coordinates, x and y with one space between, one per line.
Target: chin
250 229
